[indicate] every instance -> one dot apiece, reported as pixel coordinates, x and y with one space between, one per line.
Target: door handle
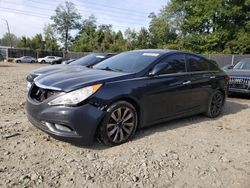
186 82
212 77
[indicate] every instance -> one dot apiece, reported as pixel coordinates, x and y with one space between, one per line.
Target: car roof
159 51
166 51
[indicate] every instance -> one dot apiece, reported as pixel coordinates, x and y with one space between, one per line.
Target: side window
175 64
197 63
213 66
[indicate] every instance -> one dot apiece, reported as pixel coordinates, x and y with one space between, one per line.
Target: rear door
169 93
201 81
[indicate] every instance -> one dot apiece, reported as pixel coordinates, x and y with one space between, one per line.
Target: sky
28 17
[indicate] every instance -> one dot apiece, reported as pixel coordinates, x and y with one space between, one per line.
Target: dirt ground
191 152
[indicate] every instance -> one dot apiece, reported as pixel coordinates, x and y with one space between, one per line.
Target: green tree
37 42
85 40
119 43
66 19
24 42
161 32
143 39
103 38
130 37
5 40
209 26
50 38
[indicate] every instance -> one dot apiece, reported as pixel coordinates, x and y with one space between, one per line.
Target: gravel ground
191 152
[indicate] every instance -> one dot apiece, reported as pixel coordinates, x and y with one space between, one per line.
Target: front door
169 93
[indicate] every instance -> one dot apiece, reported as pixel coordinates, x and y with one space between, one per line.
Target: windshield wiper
110 69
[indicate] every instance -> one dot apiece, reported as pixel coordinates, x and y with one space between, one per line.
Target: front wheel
216 104
119 124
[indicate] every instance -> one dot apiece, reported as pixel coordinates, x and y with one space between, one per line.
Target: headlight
28 85
76 96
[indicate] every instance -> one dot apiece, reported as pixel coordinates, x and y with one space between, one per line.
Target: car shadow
6 65
239 96
231 107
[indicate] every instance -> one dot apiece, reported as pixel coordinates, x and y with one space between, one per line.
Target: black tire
18 61
216 104
32 61
43 61
117 126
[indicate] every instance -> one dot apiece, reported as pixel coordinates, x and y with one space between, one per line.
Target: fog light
49 126
62 128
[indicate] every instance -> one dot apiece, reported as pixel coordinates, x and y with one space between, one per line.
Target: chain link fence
226 59
11 53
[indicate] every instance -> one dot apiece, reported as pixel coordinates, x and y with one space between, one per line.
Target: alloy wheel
121 124
217 104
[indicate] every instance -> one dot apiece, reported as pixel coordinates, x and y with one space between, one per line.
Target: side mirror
230 67
157 69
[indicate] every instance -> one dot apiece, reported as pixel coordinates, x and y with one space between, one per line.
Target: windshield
242 65
130 62
88 60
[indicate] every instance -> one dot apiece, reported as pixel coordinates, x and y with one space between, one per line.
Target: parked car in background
1 57
115 97
67 61
240 77
25 59
50 60
227 67
88 60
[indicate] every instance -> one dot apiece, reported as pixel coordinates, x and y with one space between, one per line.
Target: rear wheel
216 104
119 124
43 61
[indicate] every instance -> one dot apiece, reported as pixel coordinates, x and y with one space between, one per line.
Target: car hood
241 73
55 68
47 69
69 80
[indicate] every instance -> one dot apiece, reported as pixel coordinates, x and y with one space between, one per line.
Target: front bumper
82 121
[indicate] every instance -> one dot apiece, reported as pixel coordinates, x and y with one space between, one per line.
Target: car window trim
200 72
153 77
173 74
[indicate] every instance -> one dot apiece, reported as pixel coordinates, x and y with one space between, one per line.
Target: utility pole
6 21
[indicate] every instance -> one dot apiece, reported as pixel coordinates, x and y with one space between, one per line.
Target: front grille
239 83
39 94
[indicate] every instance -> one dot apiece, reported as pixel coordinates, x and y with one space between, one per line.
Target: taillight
227 78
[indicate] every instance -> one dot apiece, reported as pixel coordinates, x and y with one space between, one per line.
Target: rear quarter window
213 66
197 64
